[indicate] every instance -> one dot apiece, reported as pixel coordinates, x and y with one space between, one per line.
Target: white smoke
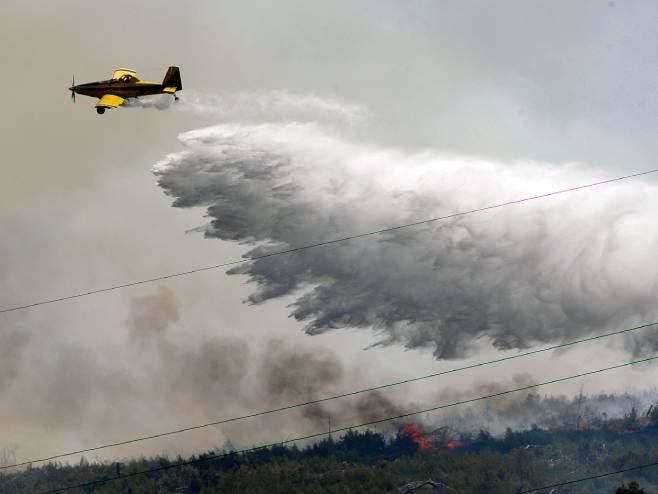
542 271
249 106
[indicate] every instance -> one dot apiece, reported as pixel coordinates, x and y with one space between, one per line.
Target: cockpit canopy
125 75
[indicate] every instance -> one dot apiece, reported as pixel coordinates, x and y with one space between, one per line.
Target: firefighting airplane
125 84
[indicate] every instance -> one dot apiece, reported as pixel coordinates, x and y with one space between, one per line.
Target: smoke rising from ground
526 410
165 369
539 272
293 373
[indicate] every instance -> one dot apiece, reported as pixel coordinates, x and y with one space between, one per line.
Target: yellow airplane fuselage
122 89
125 84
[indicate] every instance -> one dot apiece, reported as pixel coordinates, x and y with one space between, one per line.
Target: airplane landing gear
100 111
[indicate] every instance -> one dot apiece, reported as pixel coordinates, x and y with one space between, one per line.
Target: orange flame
413 432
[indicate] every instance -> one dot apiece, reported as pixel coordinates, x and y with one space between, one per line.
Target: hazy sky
557 81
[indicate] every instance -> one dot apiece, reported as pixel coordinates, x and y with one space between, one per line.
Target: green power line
356 426
591 477
329 398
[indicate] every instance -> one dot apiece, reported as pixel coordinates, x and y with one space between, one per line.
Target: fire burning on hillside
413 432
433 441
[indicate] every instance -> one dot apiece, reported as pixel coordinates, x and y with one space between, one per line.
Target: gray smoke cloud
293 373
13 343
539 272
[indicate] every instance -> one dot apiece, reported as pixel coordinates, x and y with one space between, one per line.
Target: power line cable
356 426
319 244
328 398
591 477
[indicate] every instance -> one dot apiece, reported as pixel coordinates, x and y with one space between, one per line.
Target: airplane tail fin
172 79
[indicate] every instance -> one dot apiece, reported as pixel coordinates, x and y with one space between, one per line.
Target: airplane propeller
72 90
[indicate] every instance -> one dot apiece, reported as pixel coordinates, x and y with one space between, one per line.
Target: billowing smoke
537 272
293 373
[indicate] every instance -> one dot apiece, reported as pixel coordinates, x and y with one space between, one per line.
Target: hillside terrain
370 462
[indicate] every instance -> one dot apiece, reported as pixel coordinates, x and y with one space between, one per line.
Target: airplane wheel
100 110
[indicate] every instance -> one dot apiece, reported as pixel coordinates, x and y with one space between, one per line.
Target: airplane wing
109 101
